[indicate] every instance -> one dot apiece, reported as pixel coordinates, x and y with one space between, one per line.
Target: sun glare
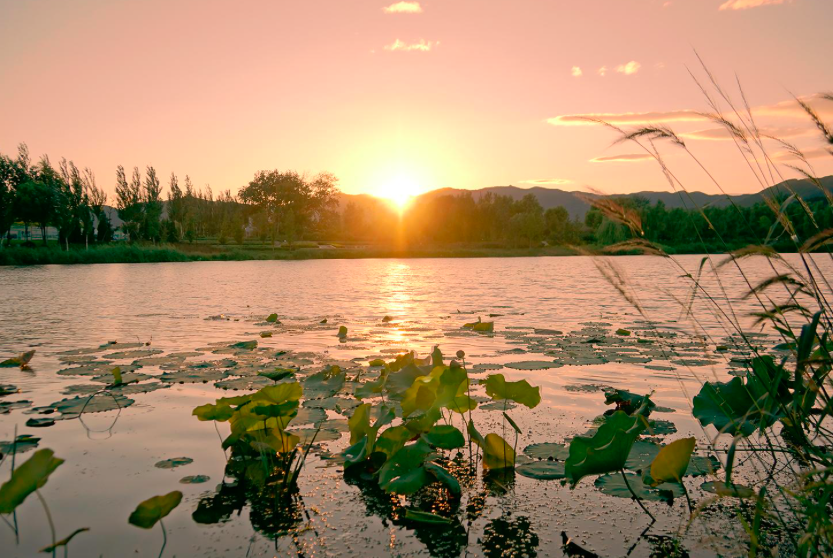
400 189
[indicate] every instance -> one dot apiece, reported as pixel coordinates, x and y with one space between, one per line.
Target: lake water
199 307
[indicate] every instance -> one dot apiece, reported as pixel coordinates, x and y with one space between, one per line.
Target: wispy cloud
602 71
626 118
723 133
746 4
625 158
576 71
421 46
816 153
403 8
546 181
629 69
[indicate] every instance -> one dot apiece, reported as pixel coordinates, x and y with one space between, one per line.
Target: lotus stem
48 518
164 538
635 497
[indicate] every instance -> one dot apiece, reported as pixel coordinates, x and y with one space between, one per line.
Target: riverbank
124 253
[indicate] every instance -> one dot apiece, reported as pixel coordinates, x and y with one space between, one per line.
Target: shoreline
20 256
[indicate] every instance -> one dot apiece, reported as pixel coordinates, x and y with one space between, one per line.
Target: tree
153 206
13 173
559 228
97 198
290 203
176 209
34 202
72 215
129 202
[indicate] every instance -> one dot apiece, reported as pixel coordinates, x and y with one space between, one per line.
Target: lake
201 309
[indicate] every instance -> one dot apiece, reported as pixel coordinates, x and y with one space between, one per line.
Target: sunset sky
404 95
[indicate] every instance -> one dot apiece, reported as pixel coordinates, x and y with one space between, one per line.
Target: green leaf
392 440
64 541
436 357
326 383
671 462
173 462
272 318
404 472
542 470
628 401
729 406
511 422
116 375
521 392
723 489
548 451
614 485
219 412
442 475
497 454
607 450
342 332
27 478
245 345
278 374
151 511
426 518
444 436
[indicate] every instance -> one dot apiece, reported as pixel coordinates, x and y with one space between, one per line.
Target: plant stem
635 497
164 538
48 518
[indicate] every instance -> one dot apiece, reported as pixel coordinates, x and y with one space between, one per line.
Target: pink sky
429 94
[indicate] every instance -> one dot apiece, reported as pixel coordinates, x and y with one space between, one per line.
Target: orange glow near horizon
400 189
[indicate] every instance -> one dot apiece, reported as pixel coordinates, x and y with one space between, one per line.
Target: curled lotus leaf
672 461
521 391
151 511
65 541
21 444
26 478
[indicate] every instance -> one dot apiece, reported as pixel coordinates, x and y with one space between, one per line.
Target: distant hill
576 206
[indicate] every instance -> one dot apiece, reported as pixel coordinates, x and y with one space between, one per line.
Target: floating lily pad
96 369
659 367
641 455
173 462
339 425
587 388
21 444
308 416
7 407
139 353
168 360
324 435
40 422
533 365
486 366
498 406
71 408
332 403
126 378
194 479
548 451
542 470
194 376
614 485
694 362
662 427
115 346
245 383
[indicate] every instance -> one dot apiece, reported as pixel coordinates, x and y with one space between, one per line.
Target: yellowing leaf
497 454
149 512
27 478
671 462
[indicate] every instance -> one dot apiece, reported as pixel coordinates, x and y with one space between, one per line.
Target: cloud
626 158
403 8
576 71
808 154
746 4
546 181
626 118
723 134
421 46
629 69
602 71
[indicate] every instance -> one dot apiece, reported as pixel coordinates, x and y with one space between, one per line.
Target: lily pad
21 444
71 408
614 485
245 383
542 470
8 389
722 489
40 422
173 462
339 404
486 366
139 353
533 365
194 376
7 407
194 479
323 435
548 451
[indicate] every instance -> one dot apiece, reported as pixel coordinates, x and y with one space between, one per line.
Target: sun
400 190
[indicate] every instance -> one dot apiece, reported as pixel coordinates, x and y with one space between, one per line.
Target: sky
400 97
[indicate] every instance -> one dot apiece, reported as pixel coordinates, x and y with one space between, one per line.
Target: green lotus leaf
521 392
671 463
173 462
109 401
27 478
272 318
278 374
219 412
8 389
404 473
21 444
321 435
729 406
194 479
64 541
40 422
542 470
607 450
342 332
7 407
426 517
151 511
533 365
444 436
326 383
244 345
392 440
722 489
193 375
614 485
548 451
443 476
